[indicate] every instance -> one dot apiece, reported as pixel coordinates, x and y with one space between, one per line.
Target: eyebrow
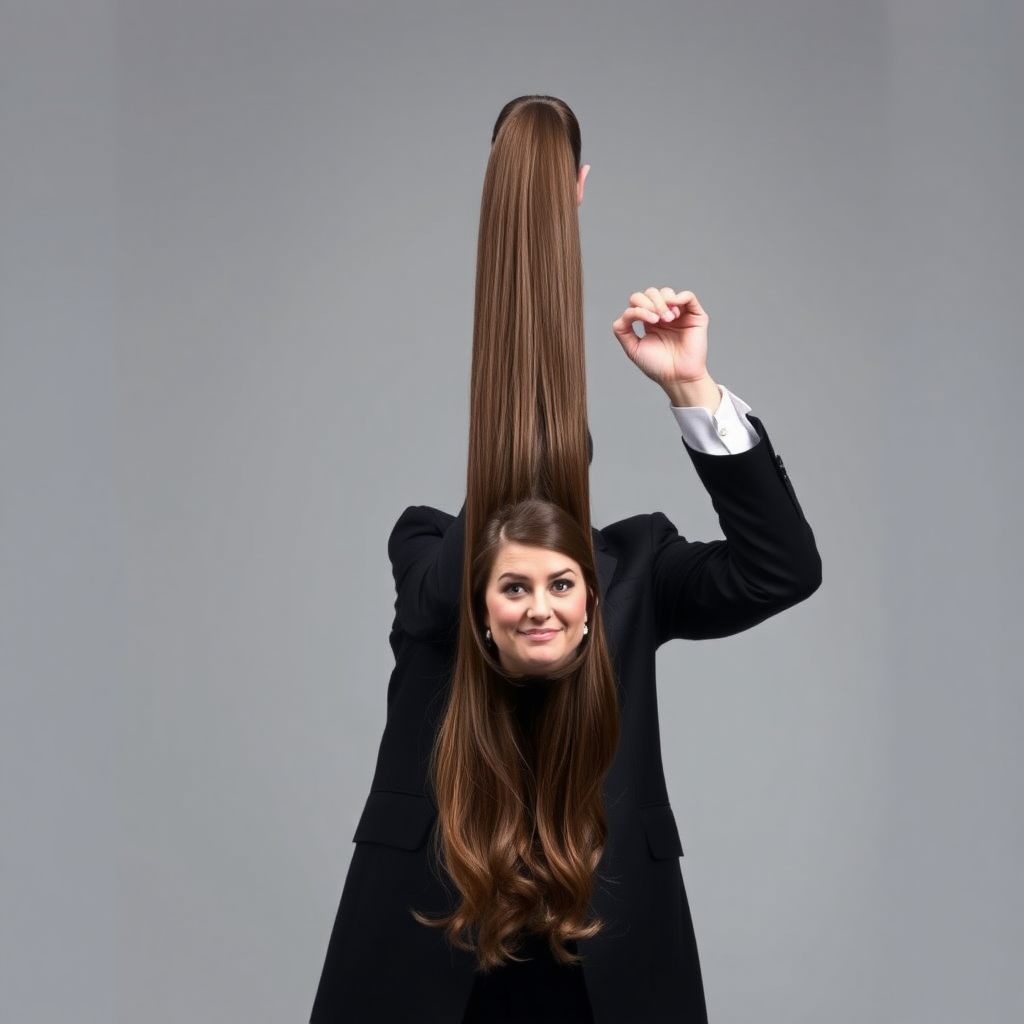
522 576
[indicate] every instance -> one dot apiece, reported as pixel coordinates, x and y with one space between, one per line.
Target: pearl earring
487 635
586 629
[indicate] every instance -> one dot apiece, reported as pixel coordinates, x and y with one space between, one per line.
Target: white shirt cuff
726 431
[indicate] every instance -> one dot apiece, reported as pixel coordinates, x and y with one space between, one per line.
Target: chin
540 667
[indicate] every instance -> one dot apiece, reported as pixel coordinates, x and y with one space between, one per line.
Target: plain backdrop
237 241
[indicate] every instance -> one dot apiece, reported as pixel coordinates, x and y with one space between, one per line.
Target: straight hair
527 410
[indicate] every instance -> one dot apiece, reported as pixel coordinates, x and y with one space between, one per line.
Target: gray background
236 258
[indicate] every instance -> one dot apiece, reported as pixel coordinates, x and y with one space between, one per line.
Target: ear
580 181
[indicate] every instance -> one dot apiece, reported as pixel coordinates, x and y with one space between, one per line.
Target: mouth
539 635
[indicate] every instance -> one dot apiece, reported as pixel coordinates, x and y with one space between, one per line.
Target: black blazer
381 965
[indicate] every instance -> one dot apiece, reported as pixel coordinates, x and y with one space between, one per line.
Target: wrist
703 391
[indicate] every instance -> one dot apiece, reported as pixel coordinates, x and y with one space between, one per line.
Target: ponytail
528 417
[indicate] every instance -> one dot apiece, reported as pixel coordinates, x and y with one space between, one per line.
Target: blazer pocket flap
662 832
401 820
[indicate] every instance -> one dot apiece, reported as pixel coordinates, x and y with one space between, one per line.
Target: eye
513 589
562 586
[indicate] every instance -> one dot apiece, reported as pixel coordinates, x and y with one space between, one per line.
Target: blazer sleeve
767 562
425 548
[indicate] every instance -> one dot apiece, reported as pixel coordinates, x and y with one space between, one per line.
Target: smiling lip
539 634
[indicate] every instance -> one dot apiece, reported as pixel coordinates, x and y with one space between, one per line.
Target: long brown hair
520 765
527 410
521 825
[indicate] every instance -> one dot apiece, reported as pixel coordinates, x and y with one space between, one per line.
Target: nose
539 608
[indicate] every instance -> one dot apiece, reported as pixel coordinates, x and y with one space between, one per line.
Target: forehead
532 562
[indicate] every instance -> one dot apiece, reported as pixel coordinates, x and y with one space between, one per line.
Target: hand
674 349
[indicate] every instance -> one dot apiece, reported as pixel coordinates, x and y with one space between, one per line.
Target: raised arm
425 548
768 560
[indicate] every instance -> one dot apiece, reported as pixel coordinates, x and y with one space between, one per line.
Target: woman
488 883
529 733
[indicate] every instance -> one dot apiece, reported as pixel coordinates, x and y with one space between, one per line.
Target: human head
558 107
537 108
531 529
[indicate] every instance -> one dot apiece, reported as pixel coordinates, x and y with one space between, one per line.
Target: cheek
577 611
502 613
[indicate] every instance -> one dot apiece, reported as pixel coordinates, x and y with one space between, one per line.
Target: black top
535 988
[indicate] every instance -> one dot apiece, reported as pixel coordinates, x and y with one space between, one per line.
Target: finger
656 297
688 301
634 314
670 297
624 328
642 308
654 304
